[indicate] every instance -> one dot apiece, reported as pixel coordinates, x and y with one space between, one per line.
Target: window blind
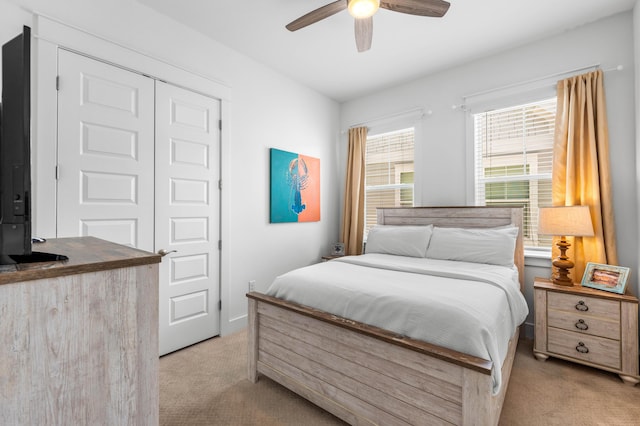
389 169
514 160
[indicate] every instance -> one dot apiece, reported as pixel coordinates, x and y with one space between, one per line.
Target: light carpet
206 384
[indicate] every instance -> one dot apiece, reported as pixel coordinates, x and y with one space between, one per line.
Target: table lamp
564 221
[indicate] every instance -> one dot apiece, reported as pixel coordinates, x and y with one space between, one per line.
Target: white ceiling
323 56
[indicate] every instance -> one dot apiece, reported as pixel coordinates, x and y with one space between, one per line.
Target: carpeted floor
206 384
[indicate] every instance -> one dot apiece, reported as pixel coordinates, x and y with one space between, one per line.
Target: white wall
11 21
264 109
442 162
268 110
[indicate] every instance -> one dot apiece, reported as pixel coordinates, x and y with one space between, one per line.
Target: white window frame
373 132
498 99
413 119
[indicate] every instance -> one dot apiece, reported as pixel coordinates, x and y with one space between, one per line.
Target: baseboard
234 325
529 329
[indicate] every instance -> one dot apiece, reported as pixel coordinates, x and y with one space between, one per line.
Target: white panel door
105 152
141 168
187 215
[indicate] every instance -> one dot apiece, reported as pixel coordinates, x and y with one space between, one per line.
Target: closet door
141 168
187 215
105 152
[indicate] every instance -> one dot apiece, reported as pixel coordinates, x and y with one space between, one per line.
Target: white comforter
468 307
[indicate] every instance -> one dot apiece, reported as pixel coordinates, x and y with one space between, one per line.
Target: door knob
164 252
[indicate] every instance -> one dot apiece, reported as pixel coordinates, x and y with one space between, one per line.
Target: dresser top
86 254
544 283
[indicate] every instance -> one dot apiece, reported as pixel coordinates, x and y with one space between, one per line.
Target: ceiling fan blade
317 15
364 33
433 8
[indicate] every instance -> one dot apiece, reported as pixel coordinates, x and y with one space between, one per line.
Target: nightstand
587 326
331 256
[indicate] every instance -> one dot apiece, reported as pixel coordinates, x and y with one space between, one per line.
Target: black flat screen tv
15 148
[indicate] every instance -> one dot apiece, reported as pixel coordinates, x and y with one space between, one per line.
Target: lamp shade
565 221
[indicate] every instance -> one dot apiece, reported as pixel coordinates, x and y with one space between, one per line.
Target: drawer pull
581 306
580 325
582 348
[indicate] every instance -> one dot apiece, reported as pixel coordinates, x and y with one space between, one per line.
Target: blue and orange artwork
295 187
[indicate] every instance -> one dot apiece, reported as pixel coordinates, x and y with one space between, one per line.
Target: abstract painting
295 187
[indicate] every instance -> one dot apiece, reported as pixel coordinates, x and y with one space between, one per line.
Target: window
513 161
388 173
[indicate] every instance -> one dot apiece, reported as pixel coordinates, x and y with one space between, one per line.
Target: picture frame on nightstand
606 277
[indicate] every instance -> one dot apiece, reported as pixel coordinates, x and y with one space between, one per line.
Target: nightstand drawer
584 324
591 349
592 306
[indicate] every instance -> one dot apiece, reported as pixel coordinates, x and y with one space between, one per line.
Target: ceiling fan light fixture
361 9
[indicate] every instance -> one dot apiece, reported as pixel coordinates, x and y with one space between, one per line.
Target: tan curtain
581 174
353 209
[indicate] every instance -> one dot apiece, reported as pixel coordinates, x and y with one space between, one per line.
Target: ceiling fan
363 11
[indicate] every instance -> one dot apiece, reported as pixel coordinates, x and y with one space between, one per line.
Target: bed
366 374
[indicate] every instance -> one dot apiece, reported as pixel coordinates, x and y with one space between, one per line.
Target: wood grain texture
318 14
497 401
86 254
363 29
348 364
366 375
595 307
408 366
317 395
597 350
546 284
611 337
81 349
468 361
585 324
432 8
443 372
355 367
362 379
629 325
540 302
252 338
601 317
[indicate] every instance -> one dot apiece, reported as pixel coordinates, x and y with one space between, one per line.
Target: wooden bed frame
365 375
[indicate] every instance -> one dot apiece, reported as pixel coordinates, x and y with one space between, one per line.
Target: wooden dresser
79 338
587 326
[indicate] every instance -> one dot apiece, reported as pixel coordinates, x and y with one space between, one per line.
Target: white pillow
399 240
494 246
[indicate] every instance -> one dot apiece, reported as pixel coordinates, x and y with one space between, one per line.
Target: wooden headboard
460 217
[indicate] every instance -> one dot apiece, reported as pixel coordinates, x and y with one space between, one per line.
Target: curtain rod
535 80
390 116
